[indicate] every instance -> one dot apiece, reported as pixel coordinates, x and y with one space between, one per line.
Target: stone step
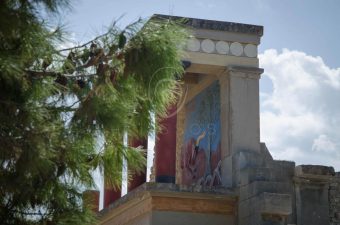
275 173
266 204
258 187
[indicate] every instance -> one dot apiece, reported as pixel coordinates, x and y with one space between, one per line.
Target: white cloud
300 119
324 144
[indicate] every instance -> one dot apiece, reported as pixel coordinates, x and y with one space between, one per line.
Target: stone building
210 166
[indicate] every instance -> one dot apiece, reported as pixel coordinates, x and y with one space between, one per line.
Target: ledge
246 69
215 25
314 170
171 190
152 197
274 203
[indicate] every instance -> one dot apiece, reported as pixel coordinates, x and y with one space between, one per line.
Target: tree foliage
63 113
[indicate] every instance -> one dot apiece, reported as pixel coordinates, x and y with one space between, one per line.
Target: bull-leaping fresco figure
209 177
192 160
201 151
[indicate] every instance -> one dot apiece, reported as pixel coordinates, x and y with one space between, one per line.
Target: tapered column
138 178
110 194
165 148
91 200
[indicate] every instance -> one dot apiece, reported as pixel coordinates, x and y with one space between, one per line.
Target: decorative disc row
222 47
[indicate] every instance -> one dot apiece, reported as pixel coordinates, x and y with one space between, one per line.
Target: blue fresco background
203 114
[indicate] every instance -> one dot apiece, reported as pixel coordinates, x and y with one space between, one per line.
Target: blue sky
311 26
300 53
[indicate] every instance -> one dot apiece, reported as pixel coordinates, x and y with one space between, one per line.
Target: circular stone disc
250 50
208 46
193 45
236 49
222 47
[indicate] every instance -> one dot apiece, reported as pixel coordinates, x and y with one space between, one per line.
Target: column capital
245 71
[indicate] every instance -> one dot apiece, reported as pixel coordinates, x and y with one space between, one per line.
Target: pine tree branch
91 41
110 31
30 213
38 73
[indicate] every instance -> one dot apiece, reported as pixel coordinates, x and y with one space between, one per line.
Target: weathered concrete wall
266 190
334 200
242 122
244 107
312 194
277 192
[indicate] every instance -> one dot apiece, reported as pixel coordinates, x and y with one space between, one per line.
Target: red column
140 178
110 194
165 148
91 199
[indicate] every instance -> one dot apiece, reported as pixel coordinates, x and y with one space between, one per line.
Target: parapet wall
312 184
334 200
280 193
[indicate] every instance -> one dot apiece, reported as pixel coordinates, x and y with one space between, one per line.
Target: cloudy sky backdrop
300 115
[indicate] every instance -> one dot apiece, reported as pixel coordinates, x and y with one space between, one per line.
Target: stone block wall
334 200
276 192
312 184
266 189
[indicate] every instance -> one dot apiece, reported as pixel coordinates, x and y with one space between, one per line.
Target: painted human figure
201 152
197 163
194 151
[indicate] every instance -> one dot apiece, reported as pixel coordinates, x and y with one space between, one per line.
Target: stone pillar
334 200
165 148
312 197
138 178
244 118
240 117
226 156
244 108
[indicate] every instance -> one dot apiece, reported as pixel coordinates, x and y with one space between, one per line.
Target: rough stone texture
266 190
265 152
314 170
312 205
334 200
215 25
313 194
164 203
244 107
168 188
258 187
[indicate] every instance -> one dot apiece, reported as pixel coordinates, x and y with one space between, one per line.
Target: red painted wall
165 148
110 195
